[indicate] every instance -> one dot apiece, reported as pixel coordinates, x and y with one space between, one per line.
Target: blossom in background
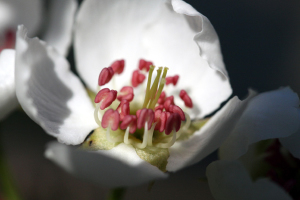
169 33
30 13
269 115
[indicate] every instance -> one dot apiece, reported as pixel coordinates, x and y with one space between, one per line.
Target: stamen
186 98
129 121
110 120
178 110
118 66
105 97
169 101
170 143
145 115
126 93
161 119
185 126
162 98
123 109
145 137
172 79
173 122
105 76
137 78
143 64
96 114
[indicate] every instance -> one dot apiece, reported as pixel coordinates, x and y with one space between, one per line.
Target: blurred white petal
50 93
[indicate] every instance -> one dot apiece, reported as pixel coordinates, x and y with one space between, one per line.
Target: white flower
269 115
169 33
30 13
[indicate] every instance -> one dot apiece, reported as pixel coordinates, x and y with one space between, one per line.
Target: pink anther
145 115
172 79
105 97
169 101
129 120
178 110
162 98
123 109
126 93
186 98
105 75
160 107
138 112
173 122
143 64
137 78
161 119
118 66
111 118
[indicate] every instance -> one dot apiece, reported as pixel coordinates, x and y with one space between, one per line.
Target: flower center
7 41
157 121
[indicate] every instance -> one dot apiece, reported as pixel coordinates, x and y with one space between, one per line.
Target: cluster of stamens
158 115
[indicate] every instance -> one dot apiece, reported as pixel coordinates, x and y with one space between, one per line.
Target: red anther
137 78
145 115
143 64
186 98
138 112
168 114
160 107
111 118
9 40
126 93
123 109
105 75
105 97
172 79
169 101
161 119
162 98
129 120
118 66
178 110
173 122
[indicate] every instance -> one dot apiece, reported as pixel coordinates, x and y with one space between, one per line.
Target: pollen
150 118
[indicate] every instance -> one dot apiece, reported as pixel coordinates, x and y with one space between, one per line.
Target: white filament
170 143
186 125
112 140
96 114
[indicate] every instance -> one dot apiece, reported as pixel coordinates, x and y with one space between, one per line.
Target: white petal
169 35
15 12
118 167
230 180
210 136
8 99
61 19
269 115
50 93
292 143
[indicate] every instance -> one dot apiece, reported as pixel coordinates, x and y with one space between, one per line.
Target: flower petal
15 12
210 136
170 35
271 114
230 180
61 19
292 143
118 167
8 100
50 93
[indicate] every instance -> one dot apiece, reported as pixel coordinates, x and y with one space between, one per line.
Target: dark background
260 45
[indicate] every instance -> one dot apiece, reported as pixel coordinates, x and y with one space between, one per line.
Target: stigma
155 121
